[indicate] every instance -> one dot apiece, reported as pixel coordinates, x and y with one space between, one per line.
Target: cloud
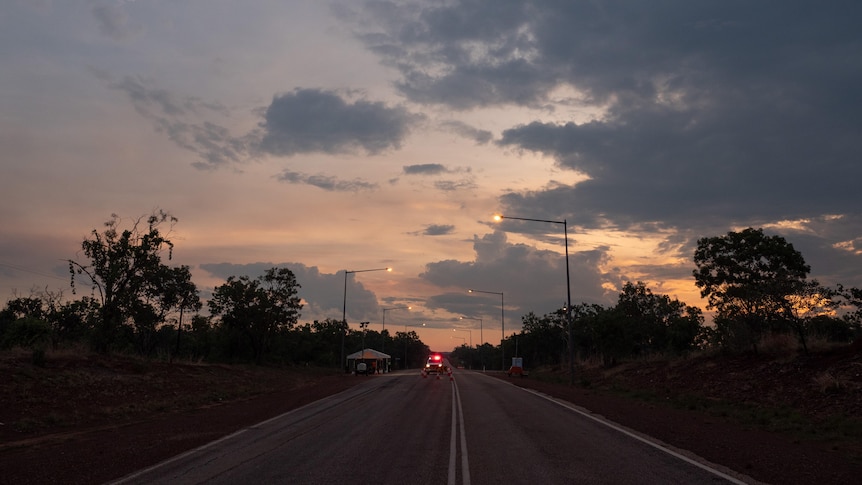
481 137
326 182
317 121
113 21
425 169
438 229
303 121
454 185
705 117
437 169
529 278
185 120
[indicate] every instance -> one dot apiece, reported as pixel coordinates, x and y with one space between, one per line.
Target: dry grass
828 382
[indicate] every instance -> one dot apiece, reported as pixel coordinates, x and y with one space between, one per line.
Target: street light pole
481 341
502 325
363 326
481 337
344 306
569 322
468 330
383 346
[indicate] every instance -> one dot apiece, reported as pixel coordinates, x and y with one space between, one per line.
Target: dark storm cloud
709 115
311 120
462 54
325 182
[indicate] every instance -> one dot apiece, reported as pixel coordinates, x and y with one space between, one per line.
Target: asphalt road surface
407 429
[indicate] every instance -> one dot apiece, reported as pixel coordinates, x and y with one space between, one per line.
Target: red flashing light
437 357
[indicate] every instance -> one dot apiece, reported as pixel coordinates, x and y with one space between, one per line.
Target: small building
377 362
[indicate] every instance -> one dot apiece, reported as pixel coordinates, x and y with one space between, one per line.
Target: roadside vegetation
128 301
135 303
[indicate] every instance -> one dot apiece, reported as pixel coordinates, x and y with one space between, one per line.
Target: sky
358 135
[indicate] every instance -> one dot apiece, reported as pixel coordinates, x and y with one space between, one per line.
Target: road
402 428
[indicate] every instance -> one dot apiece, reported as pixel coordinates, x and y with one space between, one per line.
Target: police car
435 364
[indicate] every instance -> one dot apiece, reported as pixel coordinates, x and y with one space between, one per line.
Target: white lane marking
465 462
639 438
453 442
458 425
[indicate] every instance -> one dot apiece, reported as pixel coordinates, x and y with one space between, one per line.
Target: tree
124 268
179 293
543 340
415 351
852 298
657 322
258 308
810 302
65 321
747 277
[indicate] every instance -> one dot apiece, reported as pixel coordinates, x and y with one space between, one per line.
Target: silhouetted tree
257 308
124 268
658 323
747 277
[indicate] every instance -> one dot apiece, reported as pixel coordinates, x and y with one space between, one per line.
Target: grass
663 383
781 419
75 389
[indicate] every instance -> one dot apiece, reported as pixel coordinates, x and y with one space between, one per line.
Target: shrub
27 332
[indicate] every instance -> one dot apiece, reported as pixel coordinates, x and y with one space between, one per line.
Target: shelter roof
368 354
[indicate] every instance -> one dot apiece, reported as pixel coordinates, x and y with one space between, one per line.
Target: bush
27 332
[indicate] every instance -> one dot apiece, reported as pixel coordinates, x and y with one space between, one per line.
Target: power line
25 270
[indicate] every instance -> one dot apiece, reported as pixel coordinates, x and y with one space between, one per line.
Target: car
435 365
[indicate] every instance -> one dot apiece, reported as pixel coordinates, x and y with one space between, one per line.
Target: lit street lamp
383 346
344 306
568 290
502 325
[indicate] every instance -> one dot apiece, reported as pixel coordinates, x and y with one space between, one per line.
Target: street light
568 289
481 341
383 346
344 304
468 330
462 339
481 337
363 326
502 325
